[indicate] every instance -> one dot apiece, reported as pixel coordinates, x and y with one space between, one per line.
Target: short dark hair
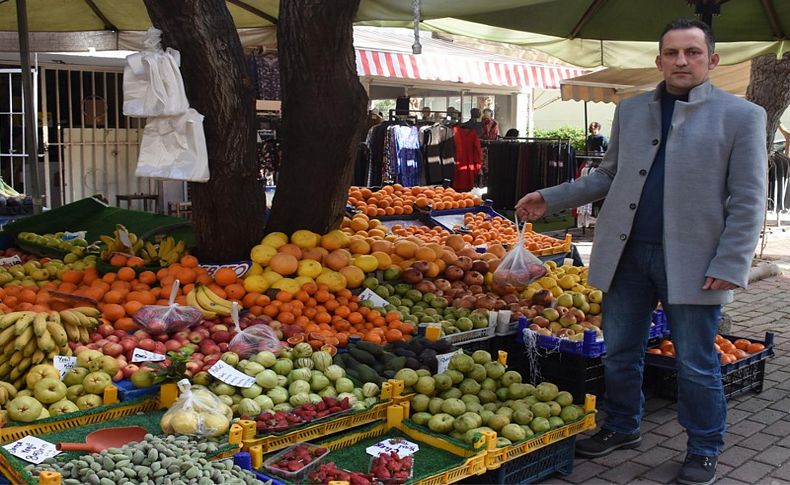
474 112
511 133
489 110
683 24
595 124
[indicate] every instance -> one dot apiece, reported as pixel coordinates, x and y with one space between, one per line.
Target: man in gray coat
685 186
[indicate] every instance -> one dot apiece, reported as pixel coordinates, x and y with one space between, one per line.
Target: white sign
64 363
443 360
229 375
32 449
400 446
68 236
493 317
369 294
503 316
141 355
10 260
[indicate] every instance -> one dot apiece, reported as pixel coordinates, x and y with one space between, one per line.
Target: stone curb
763 270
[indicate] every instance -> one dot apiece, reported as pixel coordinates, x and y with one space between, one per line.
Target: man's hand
717 284
531 207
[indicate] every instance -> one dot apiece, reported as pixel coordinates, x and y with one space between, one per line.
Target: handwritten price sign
443 360
32 449
400 446
64 363
140 355
229 375
369 294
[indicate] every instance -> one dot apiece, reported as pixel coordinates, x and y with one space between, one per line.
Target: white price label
10 260
140 355
32 449
492 318
443 360
64 363
400 446
229 375
371 295
68 236
503 316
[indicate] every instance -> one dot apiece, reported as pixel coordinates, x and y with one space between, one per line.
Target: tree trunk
228 210
769 86
323 114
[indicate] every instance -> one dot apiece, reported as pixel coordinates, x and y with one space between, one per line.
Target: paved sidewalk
758 436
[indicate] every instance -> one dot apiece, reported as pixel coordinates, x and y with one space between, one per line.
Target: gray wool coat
714 189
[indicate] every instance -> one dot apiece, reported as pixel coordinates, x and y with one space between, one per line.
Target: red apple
147 344
118 376
219 328
223 347
194 366
141 334
195 337
128 344
159 348
162 337
120 333
173 345
96 337
113 338
130 369
112 349
105 329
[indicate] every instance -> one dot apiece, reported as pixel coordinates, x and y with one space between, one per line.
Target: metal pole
27 96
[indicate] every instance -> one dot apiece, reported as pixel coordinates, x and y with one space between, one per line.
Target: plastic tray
298 476
450 218
739 377
463 338
127 392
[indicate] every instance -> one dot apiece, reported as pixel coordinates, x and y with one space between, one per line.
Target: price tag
503 316
443 360
493 317
140 355
32 449
68 236
64 363
369 294
10 260
400 446
229 375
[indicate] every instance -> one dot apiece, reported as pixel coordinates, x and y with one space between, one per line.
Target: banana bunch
7 392
209 303
115 244
165 253
29 338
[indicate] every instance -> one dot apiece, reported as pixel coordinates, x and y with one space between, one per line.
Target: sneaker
604 442
698 470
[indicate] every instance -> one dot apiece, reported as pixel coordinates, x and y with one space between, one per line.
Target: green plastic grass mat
97 218
149 420
428 461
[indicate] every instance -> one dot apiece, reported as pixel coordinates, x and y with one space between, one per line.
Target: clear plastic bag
196 412
253 339
518 268
158 319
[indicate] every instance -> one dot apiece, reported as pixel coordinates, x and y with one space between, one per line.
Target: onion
426 286
453 273
480 267
442 284
412 276
464 262
421 266
476 289
511 299
473 278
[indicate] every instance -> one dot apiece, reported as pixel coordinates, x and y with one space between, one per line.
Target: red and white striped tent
386 53
454 69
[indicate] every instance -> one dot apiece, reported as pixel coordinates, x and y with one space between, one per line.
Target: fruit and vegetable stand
413 321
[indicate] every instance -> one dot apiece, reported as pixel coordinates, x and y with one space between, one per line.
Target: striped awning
461 70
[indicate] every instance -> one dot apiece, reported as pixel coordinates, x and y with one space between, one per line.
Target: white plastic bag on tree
152 83
174 147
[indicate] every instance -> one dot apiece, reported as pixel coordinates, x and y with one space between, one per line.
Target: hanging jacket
468 158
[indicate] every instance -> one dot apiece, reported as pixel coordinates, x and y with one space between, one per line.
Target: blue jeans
639 283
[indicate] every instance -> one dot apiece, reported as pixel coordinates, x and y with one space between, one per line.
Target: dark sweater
649 219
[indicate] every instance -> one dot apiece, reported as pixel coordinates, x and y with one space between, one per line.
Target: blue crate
590 346
127 392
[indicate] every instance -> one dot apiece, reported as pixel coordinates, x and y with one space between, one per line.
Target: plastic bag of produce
518 268
253 339
158 319
197 412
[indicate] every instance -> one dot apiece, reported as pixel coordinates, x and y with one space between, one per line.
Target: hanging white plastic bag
253 339
152 83
518 268
196 412
174 147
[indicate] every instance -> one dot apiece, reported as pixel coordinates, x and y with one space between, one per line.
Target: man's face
684 60
593 129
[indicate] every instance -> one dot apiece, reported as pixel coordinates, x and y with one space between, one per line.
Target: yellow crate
390 392
495 457
396 413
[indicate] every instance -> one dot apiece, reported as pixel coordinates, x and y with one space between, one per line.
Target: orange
112 311
189 261
225 276
126 274
135 262
118 260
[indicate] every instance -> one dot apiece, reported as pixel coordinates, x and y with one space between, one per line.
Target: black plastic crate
747 374
534 466
485 343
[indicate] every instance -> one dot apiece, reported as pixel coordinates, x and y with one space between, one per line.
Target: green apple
89 401
49 390
24 409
